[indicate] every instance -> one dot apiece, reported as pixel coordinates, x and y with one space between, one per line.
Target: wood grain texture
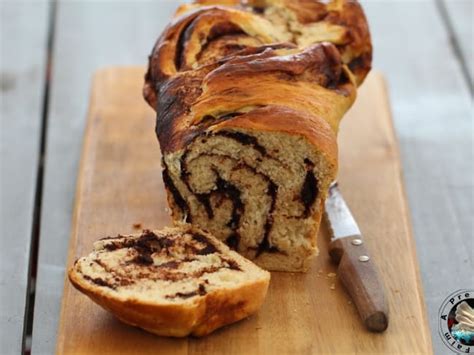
24 31
432 115
461 15
361 280
89 35
120 184
432 111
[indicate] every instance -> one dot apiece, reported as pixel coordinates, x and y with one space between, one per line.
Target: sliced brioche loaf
248 96
173 282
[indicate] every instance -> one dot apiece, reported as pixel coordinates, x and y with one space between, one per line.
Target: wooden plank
433 119
460 15
24 32
120 184
89 35
431 111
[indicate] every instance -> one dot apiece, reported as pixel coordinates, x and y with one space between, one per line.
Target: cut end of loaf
174 282
261 192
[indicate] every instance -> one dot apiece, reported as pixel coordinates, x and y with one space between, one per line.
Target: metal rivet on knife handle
356 242
364 258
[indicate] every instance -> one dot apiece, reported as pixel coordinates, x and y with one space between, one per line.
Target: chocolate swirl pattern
249 96
171 282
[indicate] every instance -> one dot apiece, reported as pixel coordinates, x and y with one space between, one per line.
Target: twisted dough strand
249 96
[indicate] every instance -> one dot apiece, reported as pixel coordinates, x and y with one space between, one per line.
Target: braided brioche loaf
249 95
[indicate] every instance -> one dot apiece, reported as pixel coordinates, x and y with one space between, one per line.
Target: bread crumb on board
333 286
332 274
137 226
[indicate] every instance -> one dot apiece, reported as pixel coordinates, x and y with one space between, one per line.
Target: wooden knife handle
359 276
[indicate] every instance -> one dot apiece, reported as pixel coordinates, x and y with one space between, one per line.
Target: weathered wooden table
49 51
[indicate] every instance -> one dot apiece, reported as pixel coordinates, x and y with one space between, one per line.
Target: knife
356 269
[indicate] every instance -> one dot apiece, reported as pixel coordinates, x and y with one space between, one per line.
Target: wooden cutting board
120 185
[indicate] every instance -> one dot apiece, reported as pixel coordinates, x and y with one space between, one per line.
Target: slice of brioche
173 282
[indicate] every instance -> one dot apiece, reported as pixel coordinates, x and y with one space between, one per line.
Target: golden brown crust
357 50
221 56
198 315
179 47
256 72
207 31
215 310
312 82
